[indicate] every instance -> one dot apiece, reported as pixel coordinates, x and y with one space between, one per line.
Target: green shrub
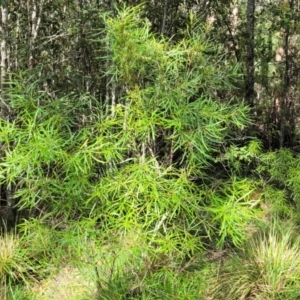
139 163
234 210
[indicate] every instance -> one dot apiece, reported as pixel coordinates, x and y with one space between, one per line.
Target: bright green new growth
140 165
233 210
131 166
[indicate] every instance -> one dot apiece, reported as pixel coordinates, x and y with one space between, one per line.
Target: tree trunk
249 95
3 47
164 20
7 201
286 107
35 11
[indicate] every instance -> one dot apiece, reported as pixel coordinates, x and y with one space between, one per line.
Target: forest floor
70 283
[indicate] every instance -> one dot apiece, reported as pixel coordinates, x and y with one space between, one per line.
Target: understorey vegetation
149 160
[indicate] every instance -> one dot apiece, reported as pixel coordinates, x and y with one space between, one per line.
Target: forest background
150 149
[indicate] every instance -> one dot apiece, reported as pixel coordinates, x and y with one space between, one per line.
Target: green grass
268 269
88 264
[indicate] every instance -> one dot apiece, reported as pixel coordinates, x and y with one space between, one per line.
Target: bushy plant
126 270
279 173
138 163
234 210
132 162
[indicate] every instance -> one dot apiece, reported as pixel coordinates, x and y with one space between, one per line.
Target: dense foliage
151 147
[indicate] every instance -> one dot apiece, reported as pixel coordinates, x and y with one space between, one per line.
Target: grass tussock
268 268
13 258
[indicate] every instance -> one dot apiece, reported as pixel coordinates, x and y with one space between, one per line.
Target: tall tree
4 57
250 80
